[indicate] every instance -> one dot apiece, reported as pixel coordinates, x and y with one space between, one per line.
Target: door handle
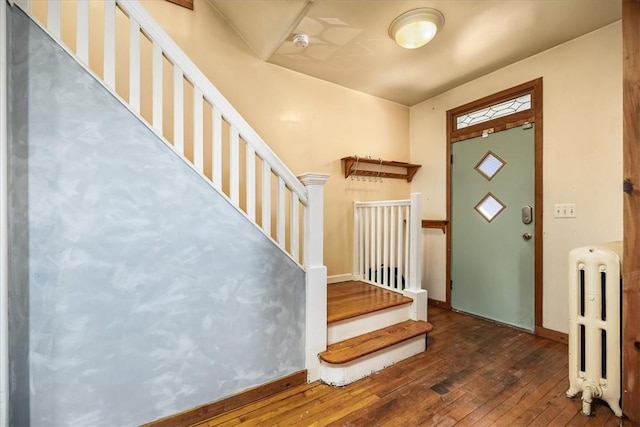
526 236
527 214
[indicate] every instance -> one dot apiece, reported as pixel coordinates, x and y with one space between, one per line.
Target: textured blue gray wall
18 233
141 291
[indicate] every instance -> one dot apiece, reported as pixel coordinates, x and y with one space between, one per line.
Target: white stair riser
349 328
346 373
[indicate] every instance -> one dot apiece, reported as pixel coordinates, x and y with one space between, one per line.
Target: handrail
406 202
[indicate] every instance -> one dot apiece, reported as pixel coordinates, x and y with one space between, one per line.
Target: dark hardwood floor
474 373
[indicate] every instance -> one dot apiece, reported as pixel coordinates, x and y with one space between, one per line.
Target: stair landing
351 299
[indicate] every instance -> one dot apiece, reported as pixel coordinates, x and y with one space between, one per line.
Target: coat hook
355 169
627 186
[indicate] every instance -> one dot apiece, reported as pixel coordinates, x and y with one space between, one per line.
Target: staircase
381 327
368 329
192 118
163 105
381 319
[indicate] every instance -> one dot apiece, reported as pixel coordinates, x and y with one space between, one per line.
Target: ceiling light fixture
415 28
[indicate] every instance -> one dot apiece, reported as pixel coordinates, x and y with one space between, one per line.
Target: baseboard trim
552 335
337 278
441 304
210 410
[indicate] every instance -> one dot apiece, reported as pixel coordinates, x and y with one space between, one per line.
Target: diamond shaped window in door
490 207
490 165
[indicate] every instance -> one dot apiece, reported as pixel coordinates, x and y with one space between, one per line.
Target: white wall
582 155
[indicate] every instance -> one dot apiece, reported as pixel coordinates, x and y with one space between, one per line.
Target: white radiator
594 325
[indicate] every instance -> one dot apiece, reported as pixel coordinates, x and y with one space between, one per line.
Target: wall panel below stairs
136 290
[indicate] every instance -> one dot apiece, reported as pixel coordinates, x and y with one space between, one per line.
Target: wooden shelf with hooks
350 168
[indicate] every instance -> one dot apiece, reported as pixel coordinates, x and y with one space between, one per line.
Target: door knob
526 236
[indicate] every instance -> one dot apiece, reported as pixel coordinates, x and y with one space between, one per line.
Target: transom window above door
505 108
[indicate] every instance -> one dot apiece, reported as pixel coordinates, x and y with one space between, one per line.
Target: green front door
492 245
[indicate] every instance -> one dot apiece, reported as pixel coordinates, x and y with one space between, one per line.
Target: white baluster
407 229
361 258
234 165
396 278
372 229
266 198
134 61
53 18
157 88
401 232
295 226
367 242
250 190
379 244
216 150
415 242
178 109
386 272
198 131
281 215
110 43
357 247
82 31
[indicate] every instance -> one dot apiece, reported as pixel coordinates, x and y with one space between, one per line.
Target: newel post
316 282
414 289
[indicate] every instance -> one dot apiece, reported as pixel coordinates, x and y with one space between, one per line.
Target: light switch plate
564 210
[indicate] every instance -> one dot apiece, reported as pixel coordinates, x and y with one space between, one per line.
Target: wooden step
351 299
362 345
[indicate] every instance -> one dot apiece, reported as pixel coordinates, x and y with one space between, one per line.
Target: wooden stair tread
362 345
352 299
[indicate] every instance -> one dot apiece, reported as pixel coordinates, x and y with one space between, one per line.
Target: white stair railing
124 47
388 248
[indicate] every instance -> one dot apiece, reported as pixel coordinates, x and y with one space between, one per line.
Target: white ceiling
349 42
